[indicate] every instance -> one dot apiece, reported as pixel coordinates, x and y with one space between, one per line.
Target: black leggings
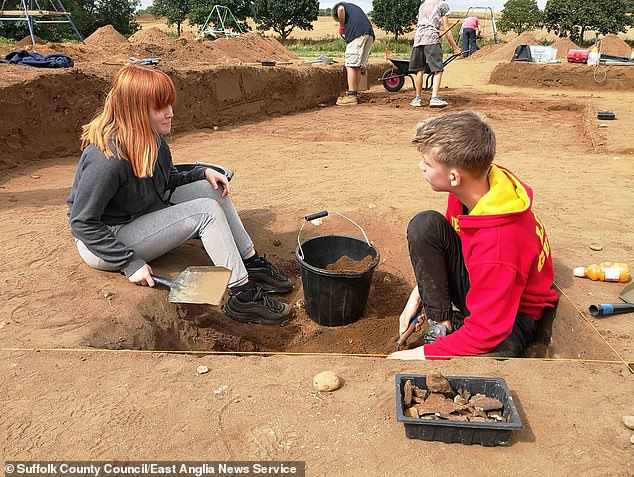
435 250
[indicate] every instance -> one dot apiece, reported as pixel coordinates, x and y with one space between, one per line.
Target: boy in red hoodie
489 257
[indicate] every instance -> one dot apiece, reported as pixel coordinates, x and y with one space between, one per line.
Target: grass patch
335 47
6 41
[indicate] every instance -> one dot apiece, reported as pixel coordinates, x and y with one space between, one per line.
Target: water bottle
605 272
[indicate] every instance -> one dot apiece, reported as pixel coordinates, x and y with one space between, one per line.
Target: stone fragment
326 381
485 402
202 369
437 383
628 421
411 412
407 392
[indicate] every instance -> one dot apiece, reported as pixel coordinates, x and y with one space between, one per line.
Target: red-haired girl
129 205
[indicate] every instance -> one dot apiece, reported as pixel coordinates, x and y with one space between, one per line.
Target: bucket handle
318 215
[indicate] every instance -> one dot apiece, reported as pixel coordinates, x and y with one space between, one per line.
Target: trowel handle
164 281
316 215
610 309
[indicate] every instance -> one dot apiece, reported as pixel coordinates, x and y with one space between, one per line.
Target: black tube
610 309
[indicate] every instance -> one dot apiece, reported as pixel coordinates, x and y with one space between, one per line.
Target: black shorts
427 58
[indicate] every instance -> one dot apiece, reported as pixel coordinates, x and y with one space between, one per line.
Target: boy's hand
409 354
412 307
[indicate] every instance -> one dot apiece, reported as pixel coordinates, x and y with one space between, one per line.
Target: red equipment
577 56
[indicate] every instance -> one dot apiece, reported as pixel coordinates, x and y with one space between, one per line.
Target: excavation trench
224 96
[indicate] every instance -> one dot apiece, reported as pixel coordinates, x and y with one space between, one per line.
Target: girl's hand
142 276
216 178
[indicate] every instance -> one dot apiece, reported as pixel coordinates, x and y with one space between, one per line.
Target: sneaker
415 102
257 308
433 332
264 274
347 100
437 103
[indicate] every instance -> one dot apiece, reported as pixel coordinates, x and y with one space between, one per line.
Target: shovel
202 285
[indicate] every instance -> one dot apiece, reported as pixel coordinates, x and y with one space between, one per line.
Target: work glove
340 31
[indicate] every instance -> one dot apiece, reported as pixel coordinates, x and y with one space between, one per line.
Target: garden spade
203 285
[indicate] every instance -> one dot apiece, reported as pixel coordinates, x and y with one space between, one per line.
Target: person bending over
357 30
484 271
129 205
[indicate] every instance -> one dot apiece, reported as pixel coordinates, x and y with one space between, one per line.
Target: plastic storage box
543 54
465 432
577 56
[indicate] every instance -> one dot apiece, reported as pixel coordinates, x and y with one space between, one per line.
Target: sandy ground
96 404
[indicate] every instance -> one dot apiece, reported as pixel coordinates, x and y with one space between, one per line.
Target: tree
520 16
283 16
574 17
200 10
395 16
175 11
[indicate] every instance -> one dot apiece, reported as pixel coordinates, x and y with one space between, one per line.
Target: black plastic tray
484 433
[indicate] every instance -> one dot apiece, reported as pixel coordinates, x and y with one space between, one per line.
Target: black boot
264 274
250 304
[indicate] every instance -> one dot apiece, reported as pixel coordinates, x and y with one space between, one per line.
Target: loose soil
99 404
346 265
613 45
105 35
504 52
563 45
564 75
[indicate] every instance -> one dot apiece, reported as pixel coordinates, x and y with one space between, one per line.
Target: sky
366 5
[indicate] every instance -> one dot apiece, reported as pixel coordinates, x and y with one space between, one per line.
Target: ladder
32 14
487 11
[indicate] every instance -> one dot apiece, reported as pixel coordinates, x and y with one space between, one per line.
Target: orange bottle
606 272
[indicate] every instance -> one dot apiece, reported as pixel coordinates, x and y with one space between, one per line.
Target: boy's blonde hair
464 140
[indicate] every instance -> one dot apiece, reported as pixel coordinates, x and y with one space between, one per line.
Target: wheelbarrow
394 78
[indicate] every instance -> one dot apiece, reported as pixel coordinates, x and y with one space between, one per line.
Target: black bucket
334 299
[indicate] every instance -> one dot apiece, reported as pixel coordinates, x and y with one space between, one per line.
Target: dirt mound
563 45
188 36
152 35
26 41
564 75
252 47
104 36
613 45
505 52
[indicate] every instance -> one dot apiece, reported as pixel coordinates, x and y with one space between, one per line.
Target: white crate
543 54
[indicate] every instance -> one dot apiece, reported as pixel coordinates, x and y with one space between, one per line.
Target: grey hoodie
105 192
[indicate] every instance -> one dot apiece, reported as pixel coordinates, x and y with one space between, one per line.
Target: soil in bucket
336 296
346 265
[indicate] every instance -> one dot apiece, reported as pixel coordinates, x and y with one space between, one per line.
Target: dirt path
358 162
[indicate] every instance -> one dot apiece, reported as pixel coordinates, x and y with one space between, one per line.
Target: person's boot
433 332
347 100
264 274
250 304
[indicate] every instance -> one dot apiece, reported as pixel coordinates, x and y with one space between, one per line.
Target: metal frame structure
223 18
30 12
486 10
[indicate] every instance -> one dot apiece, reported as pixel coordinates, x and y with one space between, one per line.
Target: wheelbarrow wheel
393 80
